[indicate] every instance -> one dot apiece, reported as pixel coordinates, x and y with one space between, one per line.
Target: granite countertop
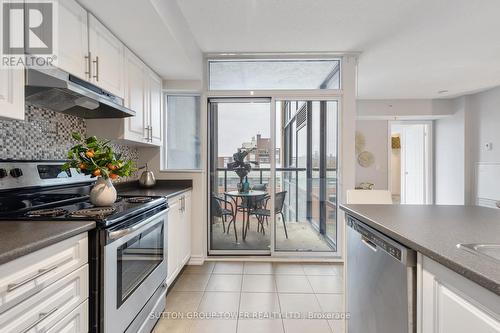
435 232
19 238
166 188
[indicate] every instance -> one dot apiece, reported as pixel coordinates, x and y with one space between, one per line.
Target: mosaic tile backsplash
46 135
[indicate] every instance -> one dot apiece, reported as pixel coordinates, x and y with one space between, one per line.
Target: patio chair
252 203
219 210
264 213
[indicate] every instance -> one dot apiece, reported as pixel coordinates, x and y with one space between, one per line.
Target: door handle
96 62
43 271
88 60
369 244
41 317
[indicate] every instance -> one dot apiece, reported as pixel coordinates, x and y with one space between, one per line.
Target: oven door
135 265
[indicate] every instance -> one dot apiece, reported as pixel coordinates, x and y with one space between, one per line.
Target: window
183 132
274 74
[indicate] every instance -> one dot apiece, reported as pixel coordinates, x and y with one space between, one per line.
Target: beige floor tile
206 268
299 303
306 326
320 269
224 282
256 304
326 284
293 284
260 326
337 326
258 268
172 326
288 269
219 302
331 302
228 268
214 326
191 282
258 283
183 301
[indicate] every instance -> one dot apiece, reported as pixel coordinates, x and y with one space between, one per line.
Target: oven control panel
19 174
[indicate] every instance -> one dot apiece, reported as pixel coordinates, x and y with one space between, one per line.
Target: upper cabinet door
73 43
135 98
12 93
107 54
156 108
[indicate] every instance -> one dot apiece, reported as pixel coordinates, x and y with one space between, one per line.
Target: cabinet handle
88 59
43 271
96 62
41 317
151 133
147 133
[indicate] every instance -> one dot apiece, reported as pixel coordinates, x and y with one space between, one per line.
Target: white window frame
164 150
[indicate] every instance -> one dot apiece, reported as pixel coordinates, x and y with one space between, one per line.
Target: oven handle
113 235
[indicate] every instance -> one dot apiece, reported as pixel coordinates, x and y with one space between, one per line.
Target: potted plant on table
95 157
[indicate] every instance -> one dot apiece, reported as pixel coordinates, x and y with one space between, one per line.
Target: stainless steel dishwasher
381 289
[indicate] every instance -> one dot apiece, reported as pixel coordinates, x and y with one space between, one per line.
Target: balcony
308 228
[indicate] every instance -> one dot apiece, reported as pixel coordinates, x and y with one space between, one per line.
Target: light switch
488 146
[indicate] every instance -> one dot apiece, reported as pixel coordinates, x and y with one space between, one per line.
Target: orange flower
96 172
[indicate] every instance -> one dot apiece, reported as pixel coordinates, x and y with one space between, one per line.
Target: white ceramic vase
103 193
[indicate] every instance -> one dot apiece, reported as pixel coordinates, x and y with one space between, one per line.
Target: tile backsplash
46 135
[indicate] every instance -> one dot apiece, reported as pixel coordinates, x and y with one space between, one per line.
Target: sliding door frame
274 96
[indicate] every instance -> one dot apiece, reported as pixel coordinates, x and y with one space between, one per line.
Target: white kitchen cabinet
47 290
179 234
135 98
107 57
155 108
452 303
143 94
73 43
12 93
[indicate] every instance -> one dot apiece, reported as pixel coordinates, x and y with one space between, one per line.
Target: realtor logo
28 33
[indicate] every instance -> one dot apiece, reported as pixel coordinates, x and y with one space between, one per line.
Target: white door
73 45
135 98
155 107
414 150
107 53
12 93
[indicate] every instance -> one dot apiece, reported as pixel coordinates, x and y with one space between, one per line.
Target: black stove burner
49 212
139 199
93 212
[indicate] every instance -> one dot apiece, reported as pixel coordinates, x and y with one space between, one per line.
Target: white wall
376 138
449 156
404 109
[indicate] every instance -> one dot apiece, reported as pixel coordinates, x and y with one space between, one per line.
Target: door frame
273 97
429 154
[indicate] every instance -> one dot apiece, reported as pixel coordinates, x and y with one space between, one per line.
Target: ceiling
409 48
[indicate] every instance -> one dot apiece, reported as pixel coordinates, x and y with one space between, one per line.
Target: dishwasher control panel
373 239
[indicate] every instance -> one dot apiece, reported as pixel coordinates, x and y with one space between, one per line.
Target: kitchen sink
489 250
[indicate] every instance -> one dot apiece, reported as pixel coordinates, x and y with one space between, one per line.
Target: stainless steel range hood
59 91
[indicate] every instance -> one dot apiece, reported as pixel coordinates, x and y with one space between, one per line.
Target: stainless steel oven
135 266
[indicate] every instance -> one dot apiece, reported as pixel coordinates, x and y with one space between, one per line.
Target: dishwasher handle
377 241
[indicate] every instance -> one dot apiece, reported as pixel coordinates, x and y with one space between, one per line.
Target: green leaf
76 136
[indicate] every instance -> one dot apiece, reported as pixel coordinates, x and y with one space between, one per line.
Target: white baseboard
196 260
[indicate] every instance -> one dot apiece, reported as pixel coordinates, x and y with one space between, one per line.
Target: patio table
235 195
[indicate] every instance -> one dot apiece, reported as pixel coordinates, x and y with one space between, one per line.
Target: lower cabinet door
173 240
452 303
44 310
77 321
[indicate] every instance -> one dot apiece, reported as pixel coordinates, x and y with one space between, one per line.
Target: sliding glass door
273 176
306 176
239 126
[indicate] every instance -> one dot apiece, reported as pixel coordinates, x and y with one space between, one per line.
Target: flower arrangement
95 157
